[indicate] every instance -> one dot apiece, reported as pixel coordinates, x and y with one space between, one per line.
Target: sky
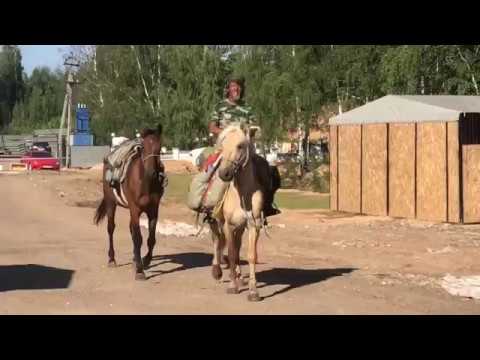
42 55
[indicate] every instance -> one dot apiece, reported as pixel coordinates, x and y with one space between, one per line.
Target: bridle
239 164
242 163
162 176
145 158
149 156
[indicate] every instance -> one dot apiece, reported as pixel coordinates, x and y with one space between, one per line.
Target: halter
149 156
237 164
162 175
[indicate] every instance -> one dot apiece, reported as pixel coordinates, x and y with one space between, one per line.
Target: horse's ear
145 132
159 129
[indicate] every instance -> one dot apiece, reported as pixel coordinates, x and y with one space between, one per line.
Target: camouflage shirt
226 113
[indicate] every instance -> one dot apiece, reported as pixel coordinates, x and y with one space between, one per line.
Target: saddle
207 190
120 159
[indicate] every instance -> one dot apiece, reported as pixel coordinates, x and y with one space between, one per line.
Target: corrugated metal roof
410 108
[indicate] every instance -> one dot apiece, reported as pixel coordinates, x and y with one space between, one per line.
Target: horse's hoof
225 262
146 261
140 276
112 264
216 272
254 297
232 291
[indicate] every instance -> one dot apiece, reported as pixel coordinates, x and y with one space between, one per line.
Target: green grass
178 187
295 201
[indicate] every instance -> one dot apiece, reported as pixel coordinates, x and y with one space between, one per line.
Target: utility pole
60 132
67 108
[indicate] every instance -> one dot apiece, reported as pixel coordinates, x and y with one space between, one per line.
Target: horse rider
232 109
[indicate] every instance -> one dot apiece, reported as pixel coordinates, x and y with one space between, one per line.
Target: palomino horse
242 209
142 191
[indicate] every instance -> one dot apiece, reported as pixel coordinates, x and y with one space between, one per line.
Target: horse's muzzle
226 174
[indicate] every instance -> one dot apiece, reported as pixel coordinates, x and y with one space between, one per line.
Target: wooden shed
408 157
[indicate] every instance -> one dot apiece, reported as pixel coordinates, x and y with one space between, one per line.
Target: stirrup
207 218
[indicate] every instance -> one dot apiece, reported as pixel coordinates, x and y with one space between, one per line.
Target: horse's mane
228 130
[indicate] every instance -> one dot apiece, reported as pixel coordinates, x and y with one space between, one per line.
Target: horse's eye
240 147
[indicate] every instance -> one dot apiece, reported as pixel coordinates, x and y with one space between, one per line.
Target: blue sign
83 119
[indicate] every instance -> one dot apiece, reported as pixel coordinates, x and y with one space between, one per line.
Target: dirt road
53 260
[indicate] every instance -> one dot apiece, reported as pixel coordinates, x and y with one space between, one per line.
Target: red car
37 160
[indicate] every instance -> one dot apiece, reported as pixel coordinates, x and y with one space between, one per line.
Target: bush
321 183
318 179
289 175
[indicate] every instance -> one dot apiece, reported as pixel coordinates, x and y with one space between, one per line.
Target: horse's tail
101 212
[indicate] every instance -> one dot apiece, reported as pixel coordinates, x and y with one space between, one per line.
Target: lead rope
203 224
264 227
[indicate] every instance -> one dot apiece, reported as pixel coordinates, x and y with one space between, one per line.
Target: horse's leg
217 250
223 258
232 259
111 208
152 226
253 233
238 244
221 248
137 242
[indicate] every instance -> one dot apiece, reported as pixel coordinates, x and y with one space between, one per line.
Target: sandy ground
53 260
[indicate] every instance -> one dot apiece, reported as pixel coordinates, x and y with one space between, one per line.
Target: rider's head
235 89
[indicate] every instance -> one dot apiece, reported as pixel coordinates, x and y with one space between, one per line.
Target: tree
129 87
468 67
432 69
11 82
42 102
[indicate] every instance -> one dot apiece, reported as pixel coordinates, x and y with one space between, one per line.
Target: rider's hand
253 131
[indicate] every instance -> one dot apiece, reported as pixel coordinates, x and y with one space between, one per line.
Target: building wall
453 173
401 170
87 156
333 167
374 169
471 183
349 168
431 172
418 161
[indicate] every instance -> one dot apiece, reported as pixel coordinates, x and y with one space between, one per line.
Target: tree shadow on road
295 278
33 277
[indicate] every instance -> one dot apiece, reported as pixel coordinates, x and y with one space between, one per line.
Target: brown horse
141 192
241 210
